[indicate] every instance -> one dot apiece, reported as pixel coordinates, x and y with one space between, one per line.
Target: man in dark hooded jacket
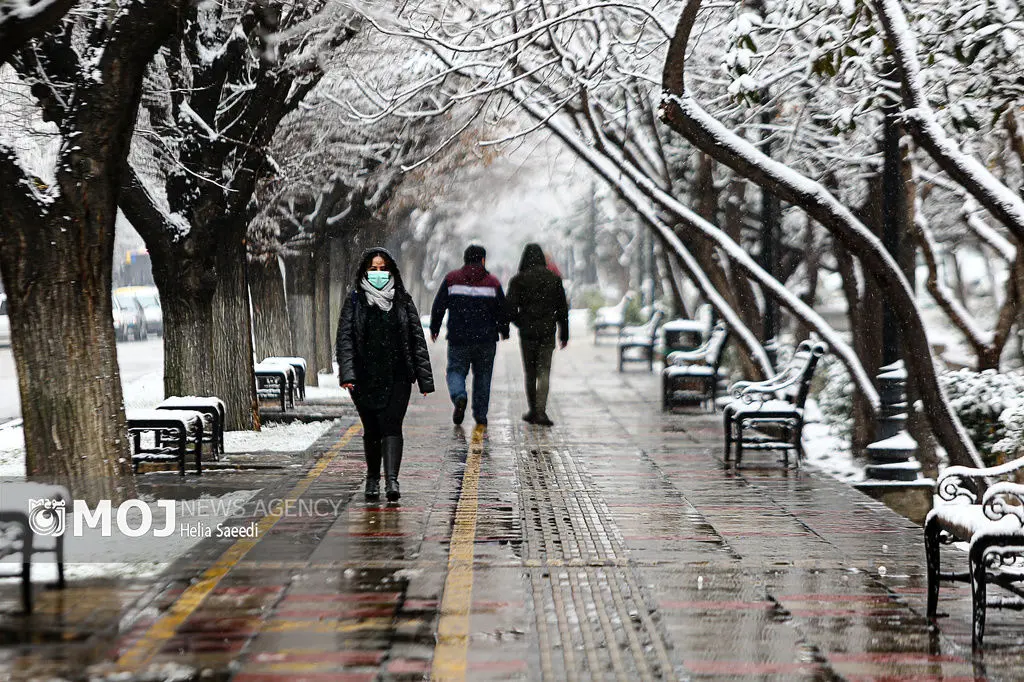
475 303
536 303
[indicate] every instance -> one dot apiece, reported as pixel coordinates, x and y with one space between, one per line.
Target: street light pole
891 458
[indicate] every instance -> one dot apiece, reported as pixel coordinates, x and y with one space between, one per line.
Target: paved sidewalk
613 546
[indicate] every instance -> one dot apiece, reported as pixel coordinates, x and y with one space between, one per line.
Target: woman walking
536 301
381 351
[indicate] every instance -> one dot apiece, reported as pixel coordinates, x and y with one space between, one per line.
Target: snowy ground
294 437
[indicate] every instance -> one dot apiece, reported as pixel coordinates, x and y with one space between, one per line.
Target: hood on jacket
533 257
364 263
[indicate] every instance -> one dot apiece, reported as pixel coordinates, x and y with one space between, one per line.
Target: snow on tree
57 235
215 97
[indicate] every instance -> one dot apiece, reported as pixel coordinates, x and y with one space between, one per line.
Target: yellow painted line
163 630
453 630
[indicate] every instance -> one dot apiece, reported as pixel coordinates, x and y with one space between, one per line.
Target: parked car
5 323
129 318
149 299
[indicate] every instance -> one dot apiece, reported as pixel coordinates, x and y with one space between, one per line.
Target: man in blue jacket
475 303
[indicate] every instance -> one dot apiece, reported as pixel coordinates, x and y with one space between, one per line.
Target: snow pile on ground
293 437
12 451
825 450
830 454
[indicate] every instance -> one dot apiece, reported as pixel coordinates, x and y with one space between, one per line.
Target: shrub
990 407
835 398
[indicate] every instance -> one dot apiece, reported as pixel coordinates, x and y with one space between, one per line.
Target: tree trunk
64 349
340 283
746 299
863 431
322 312
812 262
299 273
272 330
231 364
57 250
669 282
188 337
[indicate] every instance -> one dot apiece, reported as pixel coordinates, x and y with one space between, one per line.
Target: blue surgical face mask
378 278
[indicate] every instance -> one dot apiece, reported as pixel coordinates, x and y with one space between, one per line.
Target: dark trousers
378 424
537 368
480 358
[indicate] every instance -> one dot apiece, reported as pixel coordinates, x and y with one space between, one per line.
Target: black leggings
387 421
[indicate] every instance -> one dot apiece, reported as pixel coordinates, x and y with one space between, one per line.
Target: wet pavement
613 546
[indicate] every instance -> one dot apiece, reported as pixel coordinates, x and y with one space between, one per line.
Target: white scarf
382 298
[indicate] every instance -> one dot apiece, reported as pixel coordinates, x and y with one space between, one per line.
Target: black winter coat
536 302
351 328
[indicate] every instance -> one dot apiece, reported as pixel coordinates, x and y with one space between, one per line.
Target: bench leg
282 386
199 449
26 586
932 546
727 419
739 442
620 359
798 441
26 567
978 592
182 450
60 562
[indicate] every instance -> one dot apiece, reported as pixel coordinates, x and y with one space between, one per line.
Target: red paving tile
718 605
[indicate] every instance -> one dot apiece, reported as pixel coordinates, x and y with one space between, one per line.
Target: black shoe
459 413
372 491
392 451
529 417
543 420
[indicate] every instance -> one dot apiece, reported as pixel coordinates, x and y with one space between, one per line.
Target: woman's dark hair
389 262
533 256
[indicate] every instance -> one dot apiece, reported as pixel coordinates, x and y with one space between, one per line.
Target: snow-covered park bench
772 410
276 380
683 335
991 523
19 525
693 376
176 434
299 364
643 338
611 319
214 410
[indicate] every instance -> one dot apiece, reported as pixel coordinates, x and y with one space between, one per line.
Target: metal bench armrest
970 482
1004 499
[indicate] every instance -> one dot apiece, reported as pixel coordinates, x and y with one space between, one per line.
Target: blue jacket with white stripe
476 308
